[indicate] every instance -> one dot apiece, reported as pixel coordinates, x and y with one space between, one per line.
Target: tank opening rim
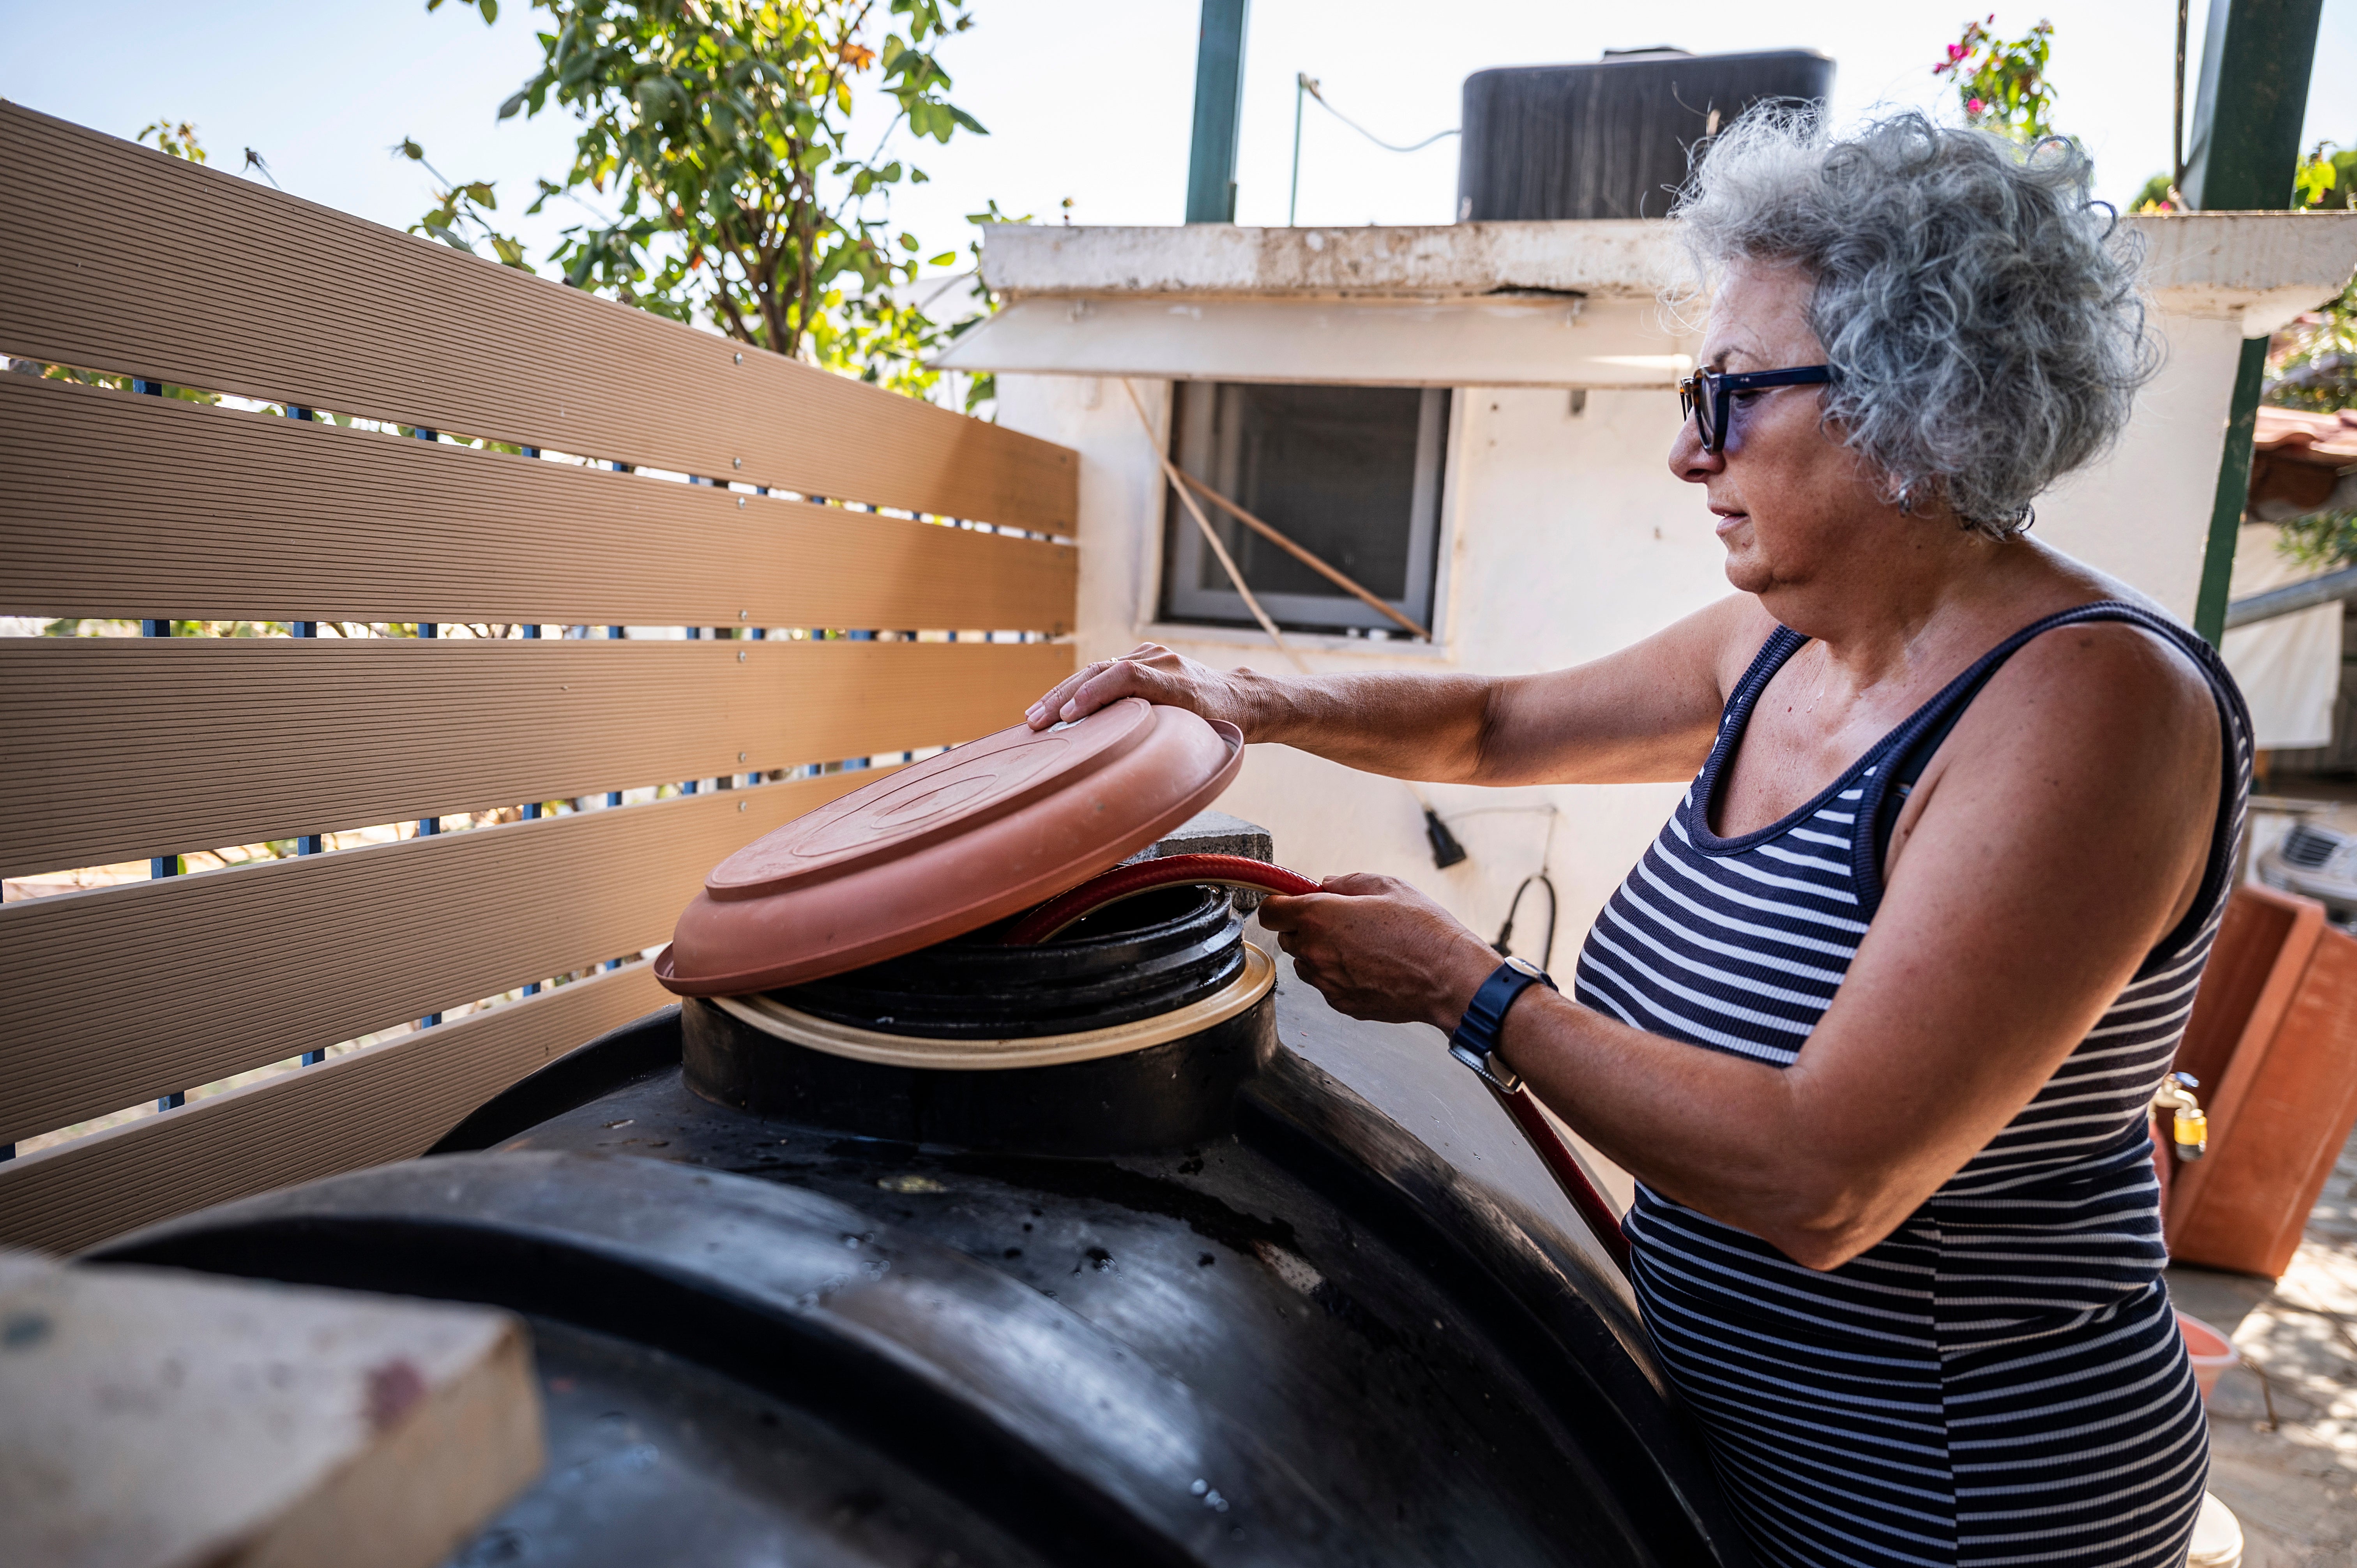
772 1017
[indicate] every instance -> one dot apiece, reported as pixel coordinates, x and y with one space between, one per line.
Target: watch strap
1474 1041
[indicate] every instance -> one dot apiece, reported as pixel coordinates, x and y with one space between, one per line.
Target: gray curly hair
1983 316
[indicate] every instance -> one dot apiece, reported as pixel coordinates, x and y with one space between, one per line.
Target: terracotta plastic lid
950 844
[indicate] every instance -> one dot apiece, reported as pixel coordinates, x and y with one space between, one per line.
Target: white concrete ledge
2199 262
1497 305
2269 266
1501 341
1627 256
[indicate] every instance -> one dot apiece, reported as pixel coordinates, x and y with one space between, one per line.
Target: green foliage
718 131
2326 179
121 383
2323 540
2323 179
2002 82
2158 195
2312 362
94 628
179 140
459 207
2312 365
2312 179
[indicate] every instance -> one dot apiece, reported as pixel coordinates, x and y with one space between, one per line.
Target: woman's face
1789 499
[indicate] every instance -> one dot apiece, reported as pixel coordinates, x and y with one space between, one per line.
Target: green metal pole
2247 122
1219 113
2252 99
2233 493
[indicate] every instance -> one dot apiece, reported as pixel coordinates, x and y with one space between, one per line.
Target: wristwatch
1474 1041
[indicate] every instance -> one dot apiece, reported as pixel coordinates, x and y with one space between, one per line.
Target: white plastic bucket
2217 1537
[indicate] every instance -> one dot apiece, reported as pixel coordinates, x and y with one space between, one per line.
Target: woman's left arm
2059 834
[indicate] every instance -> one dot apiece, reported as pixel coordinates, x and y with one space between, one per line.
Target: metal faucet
2192 1133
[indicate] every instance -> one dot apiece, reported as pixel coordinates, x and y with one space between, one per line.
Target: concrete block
155 1418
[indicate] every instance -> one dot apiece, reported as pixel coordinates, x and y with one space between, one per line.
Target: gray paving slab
2283 1425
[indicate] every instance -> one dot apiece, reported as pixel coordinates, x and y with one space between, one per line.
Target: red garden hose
1236 871
1563 1165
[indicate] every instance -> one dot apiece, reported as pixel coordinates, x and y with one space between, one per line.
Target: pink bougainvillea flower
1973 106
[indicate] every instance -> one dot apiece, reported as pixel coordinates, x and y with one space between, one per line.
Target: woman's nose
1689 460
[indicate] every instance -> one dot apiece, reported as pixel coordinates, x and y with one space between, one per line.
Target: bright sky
1085 99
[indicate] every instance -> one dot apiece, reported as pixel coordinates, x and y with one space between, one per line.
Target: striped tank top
2001 1379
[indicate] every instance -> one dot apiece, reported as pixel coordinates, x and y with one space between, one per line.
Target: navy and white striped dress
2001 1380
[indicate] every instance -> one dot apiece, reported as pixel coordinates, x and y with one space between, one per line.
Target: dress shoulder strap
1782 644
1910 751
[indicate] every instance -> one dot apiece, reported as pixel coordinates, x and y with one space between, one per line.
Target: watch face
1523 966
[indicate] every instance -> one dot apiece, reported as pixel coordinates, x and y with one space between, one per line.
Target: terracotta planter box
2274 1041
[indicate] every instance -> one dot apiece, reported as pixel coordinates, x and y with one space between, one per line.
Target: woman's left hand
1375 948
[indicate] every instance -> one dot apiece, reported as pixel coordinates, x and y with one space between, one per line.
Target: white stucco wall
2143 513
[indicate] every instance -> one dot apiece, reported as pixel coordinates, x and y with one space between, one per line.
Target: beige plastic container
2217 1537
2211 1352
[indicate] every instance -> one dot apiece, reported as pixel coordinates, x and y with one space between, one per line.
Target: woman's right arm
1646 712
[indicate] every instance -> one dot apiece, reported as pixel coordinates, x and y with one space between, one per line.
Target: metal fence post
307 844
614 796
162 864
530 810
427 628
428 827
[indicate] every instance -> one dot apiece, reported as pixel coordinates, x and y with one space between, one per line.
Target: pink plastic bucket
2211 1352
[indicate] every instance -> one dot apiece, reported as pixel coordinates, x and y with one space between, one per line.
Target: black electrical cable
1506 931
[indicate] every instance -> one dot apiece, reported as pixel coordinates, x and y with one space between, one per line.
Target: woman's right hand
1152 671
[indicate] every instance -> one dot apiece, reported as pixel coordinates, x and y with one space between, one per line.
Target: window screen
1351 474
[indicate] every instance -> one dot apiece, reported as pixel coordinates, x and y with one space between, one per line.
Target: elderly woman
1875 1020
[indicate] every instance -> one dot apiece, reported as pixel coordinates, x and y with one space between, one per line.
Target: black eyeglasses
1705 395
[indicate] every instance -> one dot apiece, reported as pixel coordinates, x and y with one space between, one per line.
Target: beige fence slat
382 1103
118 748
196 277
122 994
116 505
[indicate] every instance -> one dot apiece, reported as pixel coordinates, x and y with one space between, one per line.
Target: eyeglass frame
1720 387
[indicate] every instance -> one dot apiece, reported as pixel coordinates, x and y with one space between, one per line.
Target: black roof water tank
1610 139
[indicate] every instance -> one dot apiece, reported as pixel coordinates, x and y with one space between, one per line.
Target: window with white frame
1351 474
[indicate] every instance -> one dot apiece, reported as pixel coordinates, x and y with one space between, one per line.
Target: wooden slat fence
206 741
119 258
142 505
118 507
389 1102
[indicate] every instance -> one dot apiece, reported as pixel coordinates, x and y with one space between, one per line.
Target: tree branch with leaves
2002 82
459 208
716 135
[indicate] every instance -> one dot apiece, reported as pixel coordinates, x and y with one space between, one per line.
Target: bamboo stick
1296 550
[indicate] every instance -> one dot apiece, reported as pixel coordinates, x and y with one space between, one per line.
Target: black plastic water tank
1308 1341
1610 139
1047 1256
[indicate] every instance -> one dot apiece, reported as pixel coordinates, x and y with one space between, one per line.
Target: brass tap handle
2192 1132
2190 1124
